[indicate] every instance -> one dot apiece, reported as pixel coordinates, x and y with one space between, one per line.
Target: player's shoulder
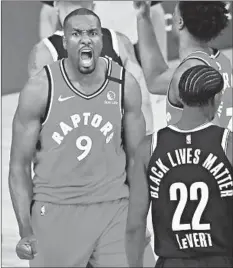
131 87
37 83
227 143
39 57
35 93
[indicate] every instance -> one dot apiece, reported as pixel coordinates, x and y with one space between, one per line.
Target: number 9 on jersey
84 144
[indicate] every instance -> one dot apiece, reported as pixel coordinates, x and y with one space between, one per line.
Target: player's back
221 63
80 157
191 189
110 45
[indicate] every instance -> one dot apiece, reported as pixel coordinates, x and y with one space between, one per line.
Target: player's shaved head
64 8
80 12
199 85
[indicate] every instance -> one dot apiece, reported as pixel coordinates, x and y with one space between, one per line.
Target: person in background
49 21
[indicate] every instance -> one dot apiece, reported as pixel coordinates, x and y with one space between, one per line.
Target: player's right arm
138 206
157 73
26 128
38 58
48 21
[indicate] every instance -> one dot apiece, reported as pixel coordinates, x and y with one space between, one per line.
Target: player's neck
189 45
84 79
192 117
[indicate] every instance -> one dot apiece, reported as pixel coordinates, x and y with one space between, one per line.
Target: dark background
20 20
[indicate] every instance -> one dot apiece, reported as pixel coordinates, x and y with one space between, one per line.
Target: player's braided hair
199 84
204 20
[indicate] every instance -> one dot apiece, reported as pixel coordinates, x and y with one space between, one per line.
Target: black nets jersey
191 190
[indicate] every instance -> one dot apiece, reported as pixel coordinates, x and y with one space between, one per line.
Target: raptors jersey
110 45
221 63
191 190
80 157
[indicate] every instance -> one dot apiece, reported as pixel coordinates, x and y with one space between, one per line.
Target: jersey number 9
84 144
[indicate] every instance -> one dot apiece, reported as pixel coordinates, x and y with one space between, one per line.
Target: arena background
19 33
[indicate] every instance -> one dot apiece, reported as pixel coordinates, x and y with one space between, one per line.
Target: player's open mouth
86 56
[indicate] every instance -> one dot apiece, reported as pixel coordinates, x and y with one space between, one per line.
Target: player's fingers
24 252
34 247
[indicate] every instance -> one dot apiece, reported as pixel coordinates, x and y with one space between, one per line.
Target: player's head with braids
203 20
200 86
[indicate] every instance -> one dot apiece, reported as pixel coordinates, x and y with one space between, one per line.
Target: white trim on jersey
172 105
225 140
51 48
61 33
212 56
115 43
204 126
52 95
153 142
120 93
197 58
79 93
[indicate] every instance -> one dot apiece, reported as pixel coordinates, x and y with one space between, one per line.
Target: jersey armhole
122 90
50 95
115 43
224 142
153 143
51 49
195 58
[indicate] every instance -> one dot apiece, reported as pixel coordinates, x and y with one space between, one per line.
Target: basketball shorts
202 262
75 235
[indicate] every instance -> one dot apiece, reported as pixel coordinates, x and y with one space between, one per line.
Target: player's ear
180 23
217 100
64 42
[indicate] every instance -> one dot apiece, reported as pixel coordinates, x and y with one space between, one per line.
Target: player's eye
93 33
76 34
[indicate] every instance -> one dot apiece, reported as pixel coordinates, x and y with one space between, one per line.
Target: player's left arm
130 62
133 121
138 206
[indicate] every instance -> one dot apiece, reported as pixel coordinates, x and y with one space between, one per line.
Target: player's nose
86 40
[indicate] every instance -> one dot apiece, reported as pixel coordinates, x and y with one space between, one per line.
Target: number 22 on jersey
192 194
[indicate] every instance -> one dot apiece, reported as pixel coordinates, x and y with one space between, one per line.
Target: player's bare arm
138 206
26 129
38 58
127 55
156 71
130 63
133 120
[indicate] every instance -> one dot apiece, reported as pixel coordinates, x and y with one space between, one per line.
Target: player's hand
142 8
26 249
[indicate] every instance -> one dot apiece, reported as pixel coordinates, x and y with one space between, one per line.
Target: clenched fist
26 249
